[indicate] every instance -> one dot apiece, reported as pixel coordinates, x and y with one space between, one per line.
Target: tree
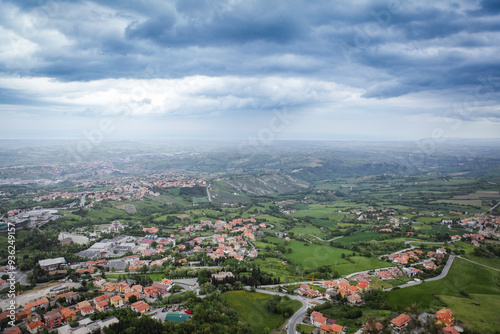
143 269
132 299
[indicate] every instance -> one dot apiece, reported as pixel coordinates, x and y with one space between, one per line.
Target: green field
480 282
357 237
316 211
429 219
251 308
105 213
308 230
305 329
272 219
313 256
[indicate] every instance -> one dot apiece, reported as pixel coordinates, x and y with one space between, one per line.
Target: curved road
446 268
443 274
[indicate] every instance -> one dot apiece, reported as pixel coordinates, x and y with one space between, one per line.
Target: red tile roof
401 320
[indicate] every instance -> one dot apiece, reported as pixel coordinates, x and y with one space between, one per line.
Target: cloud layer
345 69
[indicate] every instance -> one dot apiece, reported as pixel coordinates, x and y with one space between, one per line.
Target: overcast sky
325 69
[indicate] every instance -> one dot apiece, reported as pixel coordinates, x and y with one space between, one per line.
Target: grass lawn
479 312
305 329
251 308
378 284
262 245
313 256
481 283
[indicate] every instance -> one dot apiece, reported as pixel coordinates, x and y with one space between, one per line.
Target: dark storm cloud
366 50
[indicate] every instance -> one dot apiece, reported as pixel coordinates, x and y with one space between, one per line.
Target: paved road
443 274
446 268
296 317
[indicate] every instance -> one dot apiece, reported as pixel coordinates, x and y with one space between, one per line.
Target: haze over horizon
228 69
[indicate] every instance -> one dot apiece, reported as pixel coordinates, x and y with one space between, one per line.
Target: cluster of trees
487 250
257 278
210 315
280 305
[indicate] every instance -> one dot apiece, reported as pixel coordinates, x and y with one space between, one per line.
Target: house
401 321
13 330
411 272
378 326
108 287
87 310
35 326
455 238
21 315
167 281
99 281
122 287
116 301
140 307
441 251
130 294
354 299
352 290
81 305
429 265
136 288
70 297
101 298
383 275
330 284
330 329
363 286
161 287
314 314
43 302
319 320
102 306
67 314
150 292
53 318
445 317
